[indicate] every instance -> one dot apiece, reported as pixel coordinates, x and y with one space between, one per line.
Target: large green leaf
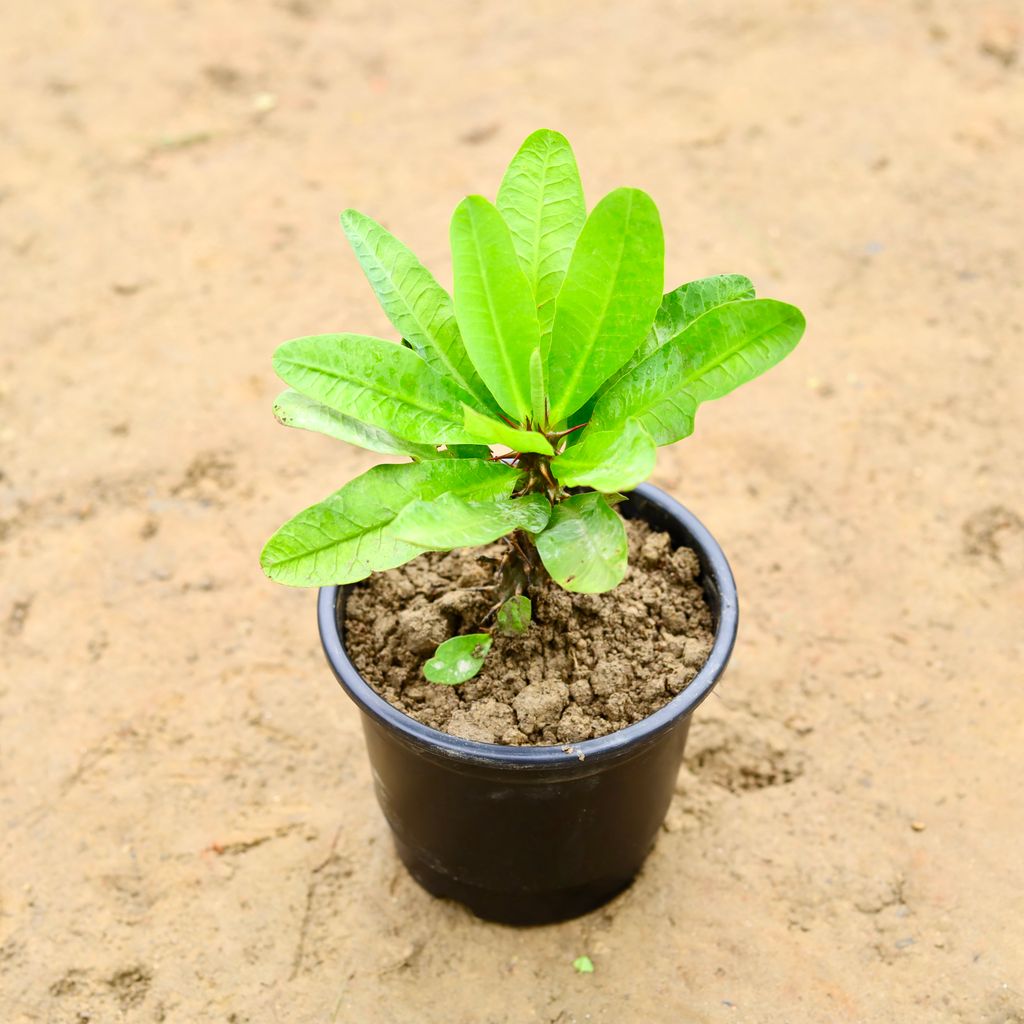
584 547
295 410
377 382
348 536
608 299
415 303
541 199
458 659
494 304
717 352
484 428
608 460
453 522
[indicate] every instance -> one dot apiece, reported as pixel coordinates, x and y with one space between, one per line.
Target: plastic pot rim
589 753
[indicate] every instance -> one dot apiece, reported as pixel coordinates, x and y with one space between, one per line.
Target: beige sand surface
188 829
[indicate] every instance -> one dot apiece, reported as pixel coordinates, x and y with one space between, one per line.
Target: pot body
528 835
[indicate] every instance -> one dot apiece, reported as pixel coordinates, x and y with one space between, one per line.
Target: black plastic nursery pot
530 835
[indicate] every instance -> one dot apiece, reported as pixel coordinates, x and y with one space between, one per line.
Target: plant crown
525 402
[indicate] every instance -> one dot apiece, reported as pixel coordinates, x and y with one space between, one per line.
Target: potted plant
524 729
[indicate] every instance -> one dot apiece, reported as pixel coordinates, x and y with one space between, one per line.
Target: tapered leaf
458 659
680 307
584 547
608 460
608 299
415 303
484 428
514 615
295 410
494 304
454 522
348 536
377 382
541 199
724 348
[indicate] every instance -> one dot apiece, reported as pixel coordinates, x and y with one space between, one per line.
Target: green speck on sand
583 965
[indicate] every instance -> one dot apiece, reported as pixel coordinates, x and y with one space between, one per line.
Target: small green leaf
451 522
458 659
608 299
295 410
584 547
494 304
583 965
415 303
717 352
541 199
376 382
483 428
515 614
608 460
347 536
469 451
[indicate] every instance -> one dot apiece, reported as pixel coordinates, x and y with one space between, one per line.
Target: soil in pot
588 665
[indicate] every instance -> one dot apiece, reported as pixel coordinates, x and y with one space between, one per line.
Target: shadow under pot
535 834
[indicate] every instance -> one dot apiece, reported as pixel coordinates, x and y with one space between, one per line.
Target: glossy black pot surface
528 835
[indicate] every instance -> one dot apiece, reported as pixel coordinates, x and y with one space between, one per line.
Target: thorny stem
521 569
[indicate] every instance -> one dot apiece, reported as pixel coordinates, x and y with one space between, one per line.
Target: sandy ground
189 832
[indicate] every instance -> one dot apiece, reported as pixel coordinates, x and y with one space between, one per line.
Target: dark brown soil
588 665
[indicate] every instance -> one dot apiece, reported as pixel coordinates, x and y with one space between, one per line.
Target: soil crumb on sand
588 665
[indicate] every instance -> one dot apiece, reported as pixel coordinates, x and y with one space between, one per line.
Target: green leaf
494 304
451 521
608 298
469 451
584 547
483 428
514 615
680 307
415 303
583 965
458 659
541 199
724 348
295 410
608 460
377 382
347 536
